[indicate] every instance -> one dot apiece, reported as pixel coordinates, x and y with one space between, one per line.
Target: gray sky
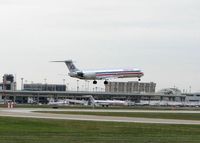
162 37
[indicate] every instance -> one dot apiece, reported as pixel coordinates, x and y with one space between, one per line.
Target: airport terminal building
133 91
131 87
44 87
8 83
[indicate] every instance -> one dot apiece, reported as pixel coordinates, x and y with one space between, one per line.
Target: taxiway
31 113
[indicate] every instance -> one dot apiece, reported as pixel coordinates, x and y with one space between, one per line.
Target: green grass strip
26 130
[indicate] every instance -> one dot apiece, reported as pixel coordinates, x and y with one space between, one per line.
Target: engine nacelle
80 74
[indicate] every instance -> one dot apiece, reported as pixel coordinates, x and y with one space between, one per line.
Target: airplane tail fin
70 65
91 99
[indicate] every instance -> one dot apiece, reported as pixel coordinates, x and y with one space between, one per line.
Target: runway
29 113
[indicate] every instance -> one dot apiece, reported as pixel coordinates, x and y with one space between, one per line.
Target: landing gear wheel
139 79
105 82
94 82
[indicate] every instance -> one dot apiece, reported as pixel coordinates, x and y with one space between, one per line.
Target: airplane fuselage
106 74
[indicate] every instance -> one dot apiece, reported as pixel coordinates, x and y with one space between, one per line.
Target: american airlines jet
106 103
101 74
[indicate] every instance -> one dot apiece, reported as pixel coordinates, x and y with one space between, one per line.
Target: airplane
67 102
106 103
101 74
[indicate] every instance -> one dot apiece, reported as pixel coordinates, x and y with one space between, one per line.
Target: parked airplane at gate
106 103
67 102
101 74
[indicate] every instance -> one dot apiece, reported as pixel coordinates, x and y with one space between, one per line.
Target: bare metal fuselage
107 74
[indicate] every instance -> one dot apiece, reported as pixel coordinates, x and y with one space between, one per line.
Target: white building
130 87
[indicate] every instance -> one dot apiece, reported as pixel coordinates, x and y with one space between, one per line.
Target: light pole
88 85
64 85
67 86
45 84
32 86
77 85
22 84
85 85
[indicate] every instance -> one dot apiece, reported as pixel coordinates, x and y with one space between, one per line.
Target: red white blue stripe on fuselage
119 74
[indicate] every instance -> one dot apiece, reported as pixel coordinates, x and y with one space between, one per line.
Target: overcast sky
161 37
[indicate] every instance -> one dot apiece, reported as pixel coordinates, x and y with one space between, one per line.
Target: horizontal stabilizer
66 61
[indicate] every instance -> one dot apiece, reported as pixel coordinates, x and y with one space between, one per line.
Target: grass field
25 130
181 116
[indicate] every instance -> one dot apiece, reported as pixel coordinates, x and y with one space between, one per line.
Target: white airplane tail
91 99
70 65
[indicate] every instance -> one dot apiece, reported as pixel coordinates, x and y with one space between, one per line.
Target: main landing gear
139 79
105 82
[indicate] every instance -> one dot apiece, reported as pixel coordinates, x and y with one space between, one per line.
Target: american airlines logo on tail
71 66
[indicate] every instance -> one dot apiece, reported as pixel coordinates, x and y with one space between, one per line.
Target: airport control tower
8 82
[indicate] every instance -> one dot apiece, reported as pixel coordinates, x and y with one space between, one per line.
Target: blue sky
159 36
